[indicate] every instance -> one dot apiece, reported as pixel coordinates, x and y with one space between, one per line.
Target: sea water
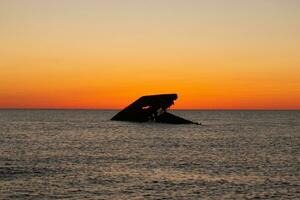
81 154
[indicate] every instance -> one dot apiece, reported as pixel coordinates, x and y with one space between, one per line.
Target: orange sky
105 54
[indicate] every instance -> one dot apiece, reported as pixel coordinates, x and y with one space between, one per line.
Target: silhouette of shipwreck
151 108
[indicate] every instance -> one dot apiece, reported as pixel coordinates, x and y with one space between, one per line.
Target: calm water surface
57 154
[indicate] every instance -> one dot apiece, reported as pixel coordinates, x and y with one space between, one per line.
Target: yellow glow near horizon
105 54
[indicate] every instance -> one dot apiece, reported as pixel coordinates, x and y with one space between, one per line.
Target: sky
104 54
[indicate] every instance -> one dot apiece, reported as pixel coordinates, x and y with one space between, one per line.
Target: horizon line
188 109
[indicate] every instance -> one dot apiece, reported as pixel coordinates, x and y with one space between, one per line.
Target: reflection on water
81 154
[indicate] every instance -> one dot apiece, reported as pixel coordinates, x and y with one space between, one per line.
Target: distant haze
233 54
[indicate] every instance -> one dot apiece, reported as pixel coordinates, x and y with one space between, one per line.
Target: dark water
83 155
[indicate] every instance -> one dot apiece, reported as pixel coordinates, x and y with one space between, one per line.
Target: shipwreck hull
151 108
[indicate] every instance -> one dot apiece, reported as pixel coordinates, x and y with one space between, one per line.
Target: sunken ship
151 108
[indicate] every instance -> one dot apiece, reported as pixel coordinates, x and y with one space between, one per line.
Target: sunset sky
215 54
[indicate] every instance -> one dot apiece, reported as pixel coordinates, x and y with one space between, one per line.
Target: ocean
81 154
